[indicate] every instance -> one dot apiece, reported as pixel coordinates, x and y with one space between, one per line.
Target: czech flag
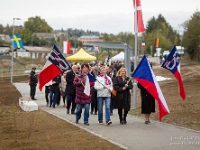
172 63
90 79
55 65
145 76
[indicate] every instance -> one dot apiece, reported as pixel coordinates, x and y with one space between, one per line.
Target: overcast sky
111 16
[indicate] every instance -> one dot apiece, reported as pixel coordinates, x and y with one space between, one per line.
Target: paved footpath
135 135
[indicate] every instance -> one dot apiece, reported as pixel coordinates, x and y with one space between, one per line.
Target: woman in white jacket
104 86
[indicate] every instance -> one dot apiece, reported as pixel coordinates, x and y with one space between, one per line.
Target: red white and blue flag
145 76
89 82
55 65
172 63
143 44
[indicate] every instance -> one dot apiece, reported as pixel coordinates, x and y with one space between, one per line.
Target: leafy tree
159 27
35 25
191 37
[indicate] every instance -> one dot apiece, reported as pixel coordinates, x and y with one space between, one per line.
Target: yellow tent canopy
81 55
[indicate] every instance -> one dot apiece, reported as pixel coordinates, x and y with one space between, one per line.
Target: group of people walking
71 85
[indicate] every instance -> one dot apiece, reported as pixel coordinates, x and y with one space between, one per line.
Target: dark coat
70 89
148 101
94 92
33 78
54 87
123 97
81 98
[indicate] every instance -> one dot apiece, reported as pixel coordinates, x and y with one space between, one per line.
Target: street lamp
11 73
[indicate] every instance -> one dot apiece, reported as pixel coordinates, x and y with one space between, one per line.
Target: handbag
114 92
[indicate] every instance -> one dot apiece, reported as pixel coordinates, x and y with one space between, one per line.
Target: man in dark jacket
70 89
33 83
95 73
112 74
54 89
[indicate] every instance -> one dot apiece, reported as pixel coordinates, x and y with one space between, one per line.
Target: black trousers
47 94
32 91
94 107
71 100
122 115
58 98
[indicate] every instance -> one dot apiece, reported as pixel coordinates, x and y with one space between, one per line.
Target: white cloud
110 16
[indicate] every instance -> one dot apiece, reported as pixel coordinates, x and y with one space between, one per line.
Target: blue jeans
100 108
53 98
79 111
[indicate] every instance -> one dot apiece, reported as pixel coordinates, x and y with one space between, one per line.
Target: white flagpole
135 58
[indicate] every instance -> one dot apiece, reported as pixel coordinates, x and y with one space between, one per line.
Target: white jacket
101 91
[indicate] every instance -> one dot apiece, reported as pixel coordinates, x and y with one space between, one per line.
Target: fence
5 72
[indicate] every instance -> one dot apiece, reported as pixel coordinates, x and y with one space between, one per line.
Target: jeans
53 98
100 108
79 111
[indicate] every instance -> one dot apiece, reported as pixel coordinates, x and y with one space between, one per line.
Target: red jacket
81 98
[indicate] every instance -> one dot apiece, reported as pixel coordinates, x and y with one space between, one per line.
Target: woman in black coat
148 103
122 84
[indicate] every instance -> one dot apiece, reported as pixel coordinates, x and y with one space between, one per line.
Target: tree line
157 27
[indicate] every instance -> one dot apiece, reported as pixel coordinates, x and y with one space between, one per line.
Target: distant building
5 38
33 52
92 38
4 50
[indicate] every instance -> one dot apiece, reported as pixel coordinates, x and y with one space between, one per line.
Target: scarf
107 80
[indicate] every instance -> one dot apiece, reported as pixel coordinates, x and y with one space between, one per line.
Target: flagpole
11 72
135 58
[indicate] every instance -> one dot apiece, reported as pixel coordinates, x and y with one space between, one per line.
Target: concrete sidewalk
135 135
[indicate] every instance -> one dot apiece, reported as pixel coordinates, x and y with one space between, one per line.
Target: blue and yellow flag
17 41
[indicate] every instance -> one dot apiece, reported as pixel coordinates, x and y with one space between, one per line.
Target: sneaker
146 122
86 123
67 111
109 122
76 121
91 112
95 113
53 106
101 122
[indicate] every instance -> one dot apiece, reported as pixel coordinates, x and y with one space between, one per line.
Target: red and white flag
139 25
96 48
66 47
55 65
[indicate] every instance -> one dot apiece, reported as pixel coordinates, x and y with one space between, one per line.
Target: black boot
125 122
